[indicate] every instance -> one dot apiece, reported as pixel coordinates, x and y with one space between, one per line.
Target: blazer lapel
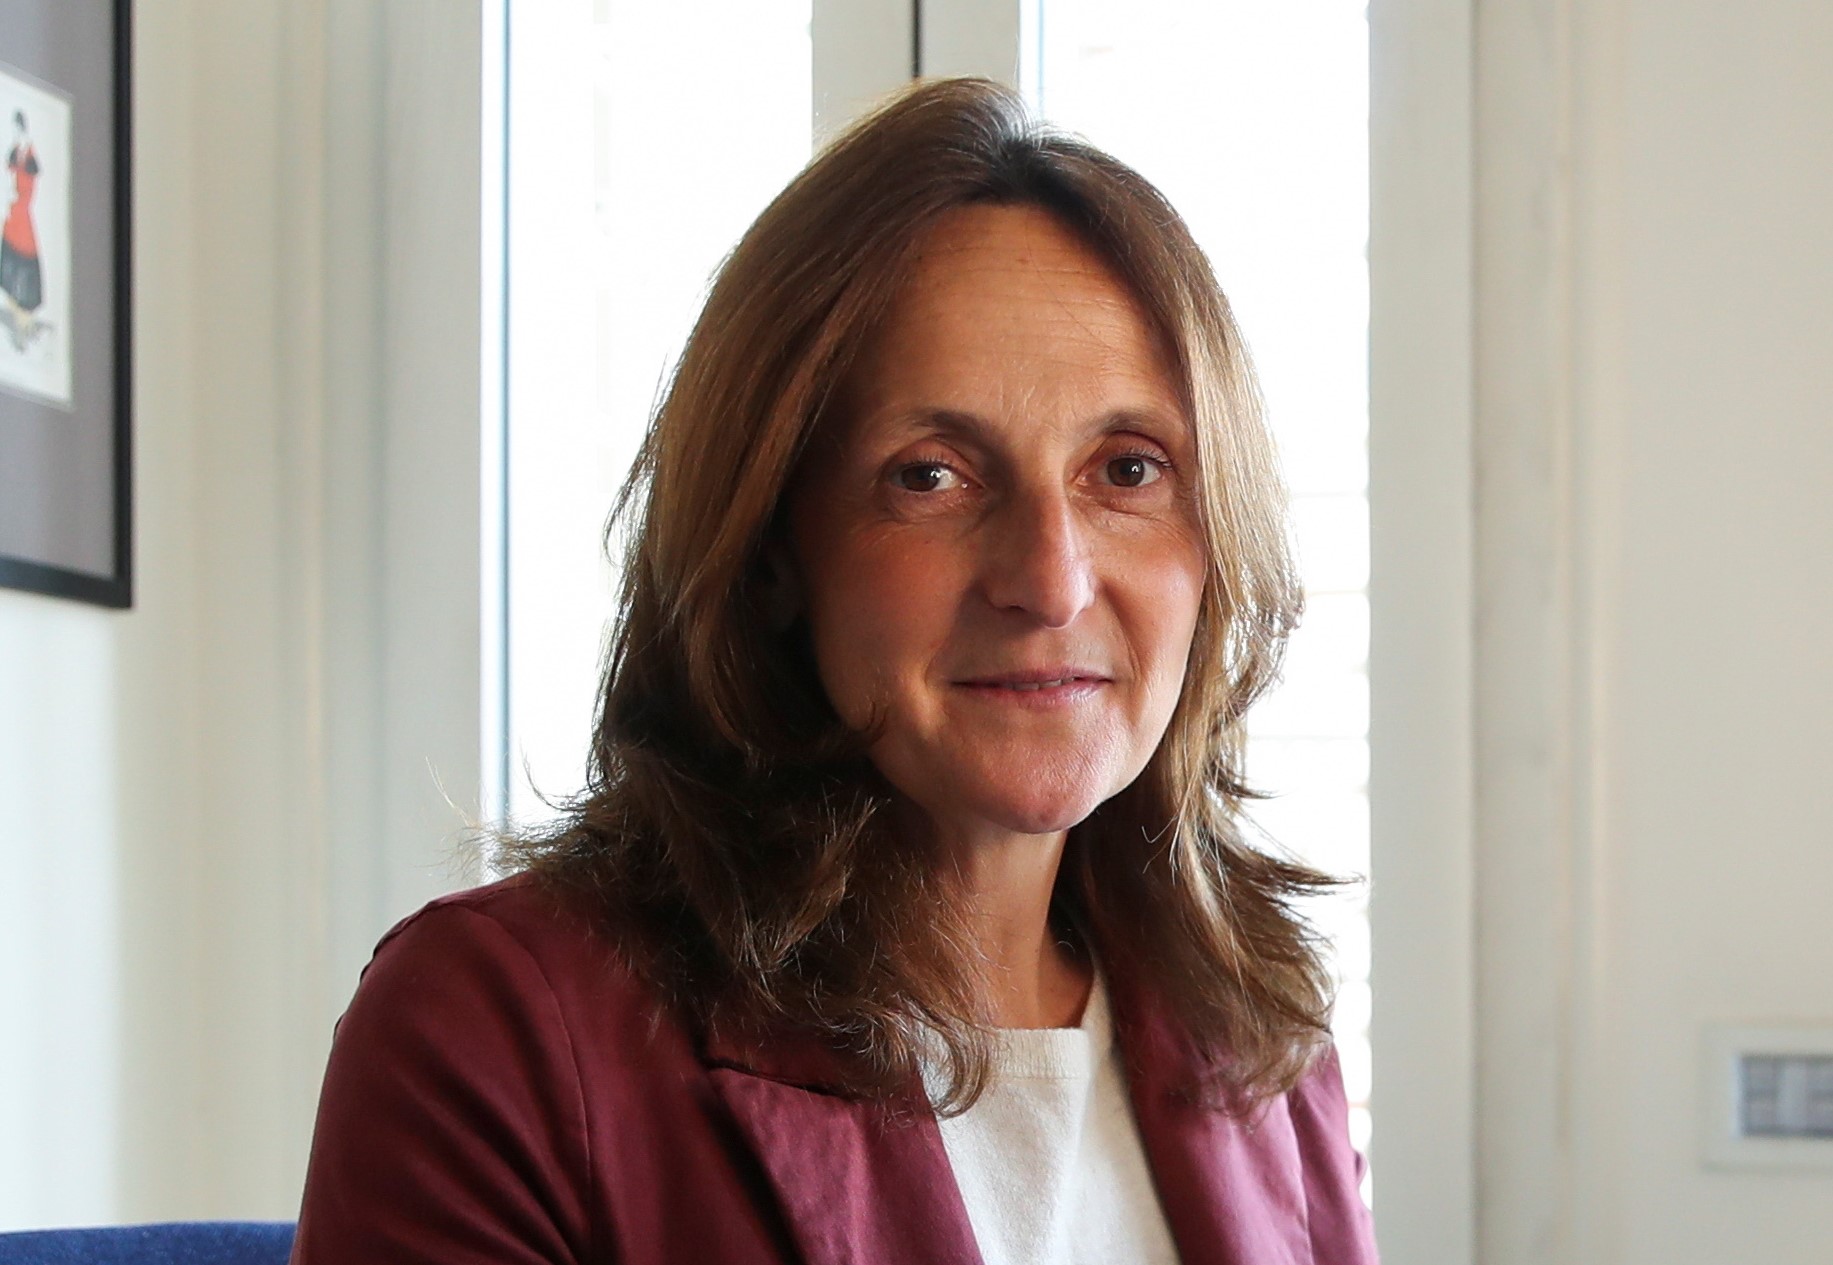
860 1184
857 1182
1232 1188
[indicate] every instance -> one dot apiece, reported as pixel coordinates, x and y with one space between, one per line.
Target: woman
958 557
21 278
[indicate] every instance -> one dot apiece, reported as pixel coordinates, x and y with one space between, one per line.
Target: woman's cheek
862 619
900 606
1160 588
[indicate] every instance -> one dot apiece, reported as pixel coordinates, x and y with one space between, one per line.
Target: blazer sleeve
450 1128
1342 1231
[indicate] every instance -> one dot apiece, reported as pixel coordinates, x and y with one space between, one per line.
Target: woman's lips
1049 688
1051 674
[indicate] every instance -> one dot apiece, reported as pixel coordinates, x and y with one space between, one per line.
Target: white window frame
402 534
1422 612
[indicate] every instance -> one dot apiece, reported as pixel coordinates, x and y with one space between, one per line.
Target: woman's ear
779 589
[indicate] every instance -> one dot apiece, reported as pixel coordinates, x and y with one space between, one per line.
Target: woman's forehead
1004 301
989 255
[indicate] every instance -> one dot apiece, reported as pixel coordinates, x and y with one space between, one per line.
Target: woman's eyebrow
1154 423
953 424
975 429
893 428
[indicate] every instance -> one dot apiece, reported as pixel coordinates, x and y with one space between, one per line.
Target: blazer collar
864 1182
1231 1183
858 1181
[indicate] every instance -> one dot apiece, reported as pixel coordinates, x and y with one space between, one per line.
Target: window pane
1252 116
643 138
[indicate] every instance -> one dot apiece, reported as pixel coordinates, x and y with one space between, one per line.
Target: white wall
216 801
1714 486
1612 225
103 764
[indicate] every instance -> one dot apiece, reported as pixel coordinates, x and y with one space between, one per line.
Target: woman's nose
1038 560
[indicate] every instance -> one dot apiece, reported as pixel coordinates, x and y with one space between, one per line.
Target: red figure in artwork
20 276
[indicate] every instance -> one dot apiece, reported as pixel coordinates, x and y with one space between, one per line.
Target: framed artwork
66 394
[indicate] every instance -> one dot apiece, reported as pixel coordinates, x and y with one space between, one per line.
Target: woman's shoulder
518 942
475 1083
1334 1168
521 906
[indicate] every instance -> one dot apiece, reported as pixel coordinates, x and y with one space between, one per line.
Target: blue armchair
182 1243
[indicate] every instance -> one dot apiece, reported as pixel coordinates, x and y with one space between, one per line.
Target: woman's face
997 546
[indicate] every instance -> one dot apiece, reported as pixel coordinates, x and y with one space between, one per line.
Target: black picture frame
66 449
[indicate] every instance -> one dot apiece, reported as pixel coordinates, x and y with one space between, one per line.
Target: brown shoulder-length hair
732 835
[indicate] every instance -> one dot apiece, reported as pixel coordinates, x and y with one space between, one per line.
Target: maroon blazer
501 1091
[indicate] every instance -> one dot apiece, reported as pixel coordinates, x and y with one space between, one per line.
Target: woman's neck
1034 979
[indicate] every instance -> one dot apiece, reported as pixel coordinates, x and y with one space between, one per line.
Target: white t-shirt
1049 1160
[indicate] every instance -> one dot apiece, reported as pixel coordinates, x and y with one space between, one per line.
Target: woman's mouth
1045 687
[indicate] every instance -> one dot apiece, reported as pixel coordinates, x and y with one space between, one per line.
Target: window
643 138
1252 116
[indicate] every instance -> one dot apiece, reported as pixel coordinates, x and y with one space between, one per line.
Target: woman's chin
1028 810
1027 792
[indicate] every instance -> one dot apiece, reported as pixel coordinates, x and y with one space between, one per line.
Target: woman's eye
925 476
1133 471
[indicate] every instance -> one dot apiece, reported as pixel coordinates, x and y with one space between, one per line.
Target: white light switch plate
1767 1113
